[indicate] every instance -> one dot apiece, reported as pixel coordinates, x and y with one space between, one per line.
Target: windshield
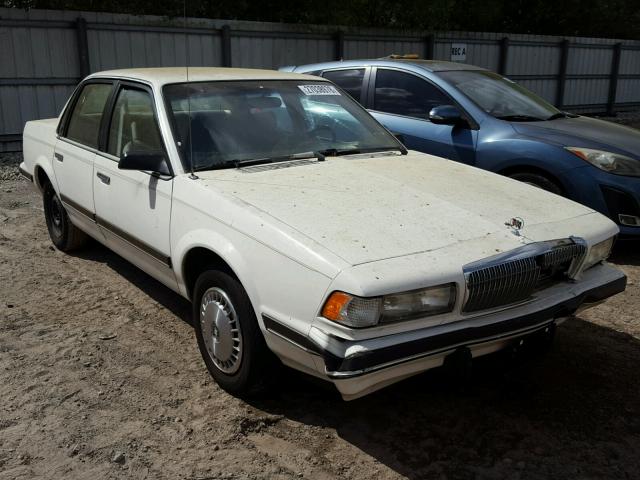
499 96
239 121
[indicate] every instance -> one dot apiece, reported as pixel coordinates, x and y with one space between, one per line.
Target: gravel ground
100 377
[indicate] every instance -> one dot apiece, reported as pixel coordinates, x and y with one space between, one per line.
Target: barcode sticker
325 89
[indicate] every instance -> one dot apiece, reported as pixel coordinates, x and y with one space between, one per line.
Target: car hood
584 132
374 208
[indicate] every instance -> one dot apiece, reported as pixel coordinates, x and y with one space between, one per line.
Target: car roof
429 65
163 76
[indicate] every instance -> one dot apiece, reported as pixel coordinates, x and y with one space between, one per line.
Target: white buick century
302 230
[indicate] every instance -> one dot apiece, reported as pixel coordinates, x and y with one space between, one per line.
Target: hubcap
221 330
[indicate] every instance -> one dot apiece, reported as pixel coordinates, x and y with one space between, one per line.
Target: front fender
221 246
501 155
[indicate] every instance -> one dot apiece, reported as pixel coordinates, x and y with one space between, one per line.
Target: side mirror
148 161
446 115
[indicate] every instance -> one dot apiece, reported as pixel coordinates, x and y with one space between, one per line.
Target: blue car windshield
500 97
230 123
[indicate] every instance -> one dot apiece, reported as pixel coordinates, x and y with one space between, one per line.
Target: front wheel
538 180
228 335
64 234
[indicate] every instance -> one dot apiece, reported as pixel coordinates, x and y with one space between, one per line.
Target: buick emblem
516 224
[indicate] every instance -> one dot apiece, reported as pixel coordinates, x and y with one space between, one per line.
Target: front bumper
607 193
358 367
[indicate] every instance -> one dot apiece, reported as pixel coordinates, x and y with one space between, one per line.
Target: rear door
133 208
402 100
351 80
75 151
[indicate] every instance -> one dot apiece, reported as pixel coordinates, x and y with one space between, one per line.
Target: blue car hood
584 132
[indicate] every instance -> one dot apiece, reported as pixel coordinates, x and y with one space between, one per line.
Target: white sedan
302 230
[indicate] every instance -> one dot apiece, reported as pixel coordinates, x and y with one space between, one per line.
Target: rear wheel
538 180
228 335
64 234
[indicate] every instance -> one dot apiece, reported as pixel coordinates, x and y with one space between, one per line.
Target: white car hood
365 209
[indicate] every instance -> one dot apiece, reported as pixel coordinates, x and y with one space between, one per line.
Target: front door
133 208
402 102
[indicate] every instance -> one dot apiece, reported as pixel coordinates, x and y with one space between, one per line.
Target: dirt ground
100 378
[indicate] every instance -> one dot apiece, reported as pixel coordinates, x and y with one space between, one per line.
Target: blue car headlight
608 161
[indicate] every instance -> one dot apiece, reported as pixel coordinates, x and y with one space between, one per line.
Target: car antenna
192 175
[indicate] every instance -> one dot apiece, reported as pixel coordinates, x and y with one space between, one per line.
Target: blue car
480 118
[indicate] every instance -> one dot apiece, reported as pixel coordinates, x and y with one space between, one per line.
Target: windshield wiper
520 118
562 115
282 158
259 161
320 155
336 152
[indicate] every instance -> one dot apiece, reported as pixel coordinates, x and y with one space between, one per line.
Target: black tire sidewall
59 241
255 355
539 181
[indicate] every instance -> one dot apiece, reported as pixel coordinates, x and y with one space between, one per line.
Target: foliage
598 18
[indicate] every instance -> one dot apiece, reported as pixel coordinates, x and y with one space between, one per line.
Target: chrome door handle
59 157
103 178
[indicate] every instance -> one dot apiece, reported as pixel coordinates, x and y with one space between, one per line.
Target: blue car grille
516 280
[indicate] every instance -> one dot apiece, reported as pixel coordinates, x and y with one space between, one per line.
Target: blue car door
401 101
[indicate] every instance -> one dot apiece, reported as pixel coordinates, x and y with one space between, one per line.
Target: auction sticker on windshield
319 89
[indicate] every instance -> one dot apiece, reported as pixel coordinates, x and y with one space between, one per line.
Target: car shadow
626 252
509 415
166 297
569 413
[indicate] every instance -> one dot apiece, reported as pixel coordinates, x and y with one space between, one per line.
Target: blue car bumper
612 195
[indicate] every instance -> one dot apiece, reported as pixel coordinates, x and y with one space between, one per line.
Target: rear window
84 123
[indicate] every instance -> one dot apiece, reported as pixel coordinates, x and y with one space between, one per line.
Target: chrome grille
509 280
563 254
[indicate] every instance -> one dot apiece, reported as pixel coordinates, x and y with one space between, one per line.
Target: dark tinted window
84 124
406 94
349 80
133 124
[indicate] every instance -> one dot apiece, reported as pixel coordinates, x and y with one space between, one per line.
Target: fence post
562 73
429 46
83 47
504 51
339 39
225 45
613 78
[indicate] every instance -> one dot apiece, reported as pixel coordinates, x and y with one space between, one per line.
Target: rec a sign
458 52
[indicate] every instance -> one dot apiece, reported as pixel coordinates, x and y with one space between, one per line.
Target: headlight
360 312
608 161
597 253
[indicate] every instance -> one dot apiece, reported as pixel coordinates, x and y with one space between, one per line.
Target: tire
220 306
538 180
64 234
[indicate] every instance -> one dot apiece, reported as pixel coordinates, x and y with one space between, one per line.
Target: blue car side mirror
446 115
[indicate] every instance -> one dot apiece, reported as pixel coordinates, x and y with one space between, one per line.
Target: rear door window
406 94
84 122
350 80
